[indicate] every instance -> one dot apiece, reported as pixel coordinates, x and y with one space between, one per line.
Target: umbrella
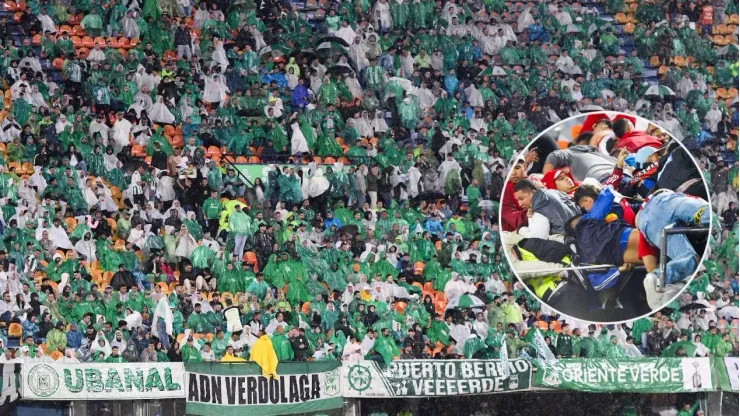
331 48
659 91
496 71
269 52
332 39
472 346
340 70
309 53
430 196
465 301
691 307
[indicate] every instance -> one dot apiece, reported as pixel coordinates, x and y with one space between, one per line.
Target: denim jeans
239 242
162 332
666 209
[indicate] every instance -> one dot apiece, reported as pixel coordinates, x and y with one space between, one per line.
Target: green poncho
281 344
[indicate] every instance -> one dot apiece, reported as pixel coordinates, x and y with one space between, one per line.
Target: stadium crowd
386 129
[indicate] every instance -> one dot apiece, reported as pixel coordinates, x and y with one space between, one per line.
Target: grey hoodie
556 206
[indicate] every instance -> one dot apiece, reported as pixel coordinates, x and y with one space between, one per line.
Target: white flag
505 359
543 351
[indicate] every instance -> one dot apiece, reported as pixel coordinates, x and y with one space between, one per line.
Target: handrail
664 244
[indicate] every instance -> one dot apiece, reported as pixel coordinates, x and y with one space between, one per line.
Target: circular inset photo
605 217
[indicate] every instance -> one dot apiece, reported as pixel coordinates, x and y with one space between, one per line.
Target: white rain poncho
96 55
298 143
186 110
129 27
358 54
474 96
86 248
362 125
215 90
460 333
62 124
47 24
318 184
713 117
57 235
383 14
103 347
684 86
292 79
346 33
525 19
142 97
163 311
159 113
218 57
445 168
354 86
121 132
185 243
133 319
378 123
116 343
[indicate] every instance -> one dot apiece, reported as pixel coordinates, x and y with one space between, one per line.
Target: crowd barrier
301 387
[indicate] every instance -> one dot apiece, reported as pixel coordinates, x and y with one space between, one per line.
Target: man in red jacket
632 139
514 216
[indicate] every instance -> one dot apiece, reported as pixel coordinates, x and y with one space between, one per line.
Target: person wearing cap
632 139
189 352
560 180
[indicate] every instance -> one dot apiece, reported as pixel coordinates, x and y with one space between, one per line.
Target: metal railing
664 245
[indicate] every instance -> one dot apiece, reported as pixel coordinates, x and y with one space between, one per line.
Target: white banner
100 381
8 384
731 363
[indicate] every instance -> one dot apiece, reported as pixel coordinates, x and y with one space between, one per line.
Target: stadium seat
15 330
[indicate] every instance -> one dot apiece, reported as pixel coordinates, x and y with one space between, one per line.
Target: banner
434 378
238 389
643 375
100 381
9 385
728 372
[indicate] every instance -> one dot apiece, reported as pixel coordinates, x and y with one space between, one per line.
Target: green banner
639 375
434 378
728 373
239 389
